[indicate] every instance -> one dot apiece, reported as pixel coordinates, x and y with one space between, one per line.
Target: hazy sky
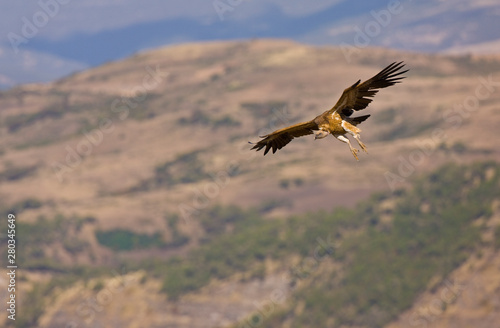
31 30
46 39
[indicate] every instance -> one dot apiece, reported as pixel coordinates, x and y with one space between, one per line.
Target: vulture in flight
337 121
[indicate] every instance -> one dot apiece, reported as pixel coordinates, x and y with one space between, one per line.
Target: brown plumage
337 120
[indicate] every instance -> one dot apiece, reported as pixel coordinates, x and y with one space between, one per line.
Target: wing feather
280 138
359 95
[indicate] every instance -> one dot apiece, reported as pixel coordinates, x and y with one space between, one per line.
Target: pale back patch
348 127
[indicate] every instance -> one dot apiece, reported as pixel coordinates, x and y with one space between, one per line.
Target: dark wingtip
392 74
356 84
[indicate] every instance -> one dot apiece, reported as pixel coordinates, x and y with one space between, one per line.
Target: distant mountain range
424 26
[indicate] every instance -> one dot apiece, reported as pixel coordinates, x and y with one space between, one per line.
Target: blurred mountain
140 171
432 26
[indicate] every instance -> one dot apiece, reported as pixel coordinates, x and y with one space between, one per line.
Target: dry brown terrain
89 145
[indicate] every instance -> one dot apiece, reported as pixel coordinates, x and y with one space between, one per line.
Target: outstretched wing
280 138
358 96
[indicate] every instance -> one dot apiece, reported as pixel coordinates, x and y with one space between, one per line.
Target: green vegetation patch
126 240
178 239
251 241
406 129
15 122
33 239
497 237
264 109
25 204
12 173
202 118
185 168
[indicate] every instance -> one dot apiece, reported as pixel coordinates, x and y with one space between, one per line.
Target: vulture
338 120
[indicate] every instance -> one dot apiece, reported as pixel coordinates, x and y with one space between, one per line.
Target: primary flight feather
338 121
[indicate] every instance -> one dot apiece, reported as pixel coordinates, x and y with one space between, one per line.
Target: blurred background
124 156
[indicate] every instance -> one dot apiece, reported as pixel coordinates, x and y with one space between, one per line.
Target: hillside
140 169
424 255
